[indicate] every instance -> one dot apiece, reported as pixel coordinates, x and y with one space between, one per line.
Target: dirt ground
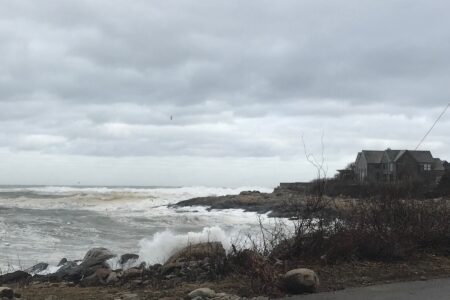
332 277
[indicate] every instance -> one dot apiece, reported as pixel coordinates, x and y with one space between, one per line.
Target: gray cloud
102 78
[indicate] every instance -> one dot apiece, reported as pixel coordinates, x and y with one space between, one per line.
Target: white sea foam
48 223
163 244
107 199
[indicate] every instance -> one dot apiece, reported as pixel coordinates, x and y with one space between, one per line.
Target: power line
434 124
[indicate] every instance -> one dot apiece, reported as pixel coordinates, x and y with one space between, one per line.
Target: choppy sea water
49 223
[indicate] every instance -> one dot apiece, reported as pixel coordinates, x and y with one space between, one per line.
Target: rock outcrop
196 262
15 277
200 251
280 203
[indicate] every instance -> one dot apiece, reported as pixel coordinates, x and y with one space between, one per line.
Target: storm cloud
218 84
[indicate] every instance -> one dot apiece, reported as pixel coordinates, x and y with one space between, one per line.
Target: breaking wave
163 244
49 223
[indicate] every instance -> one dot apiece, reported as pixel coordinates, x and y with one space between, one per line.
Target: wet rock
94 259
15 277
202 293
67 265
128 257
6 292
200 251
96 256
62 272
300 281
197 262
62 262
37 268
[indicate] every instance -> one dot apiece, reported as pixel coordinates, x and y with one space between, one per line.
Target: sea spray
162 245
45 224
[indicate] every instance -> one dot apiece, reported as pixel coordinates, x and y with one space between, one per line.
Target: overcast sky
88 88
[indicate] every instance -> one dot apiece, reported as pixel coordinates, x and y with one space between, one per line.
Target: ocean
47 223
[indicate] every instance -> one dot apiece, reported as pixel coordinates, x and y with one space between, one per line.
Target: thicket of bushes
384 228
377 229
410 189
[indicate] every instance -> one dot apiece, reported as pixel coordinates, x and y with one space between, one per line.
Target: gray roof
376 156
419 156
373 156
392 154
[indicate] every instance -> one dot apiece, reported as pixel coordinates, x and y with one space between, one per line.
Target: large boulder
195 252
94 259
15 277
196 262
6 293
37 268
300 281
96 256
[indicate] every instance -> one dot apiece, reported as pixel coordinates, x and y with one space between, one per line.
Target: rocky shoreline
195 264
206 271
277 204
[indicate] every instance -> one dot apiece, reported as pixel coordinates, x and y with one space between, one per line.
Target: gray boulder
300 281
128 257
62 262
96 256
15 277
94 259
37 268
6 292
212 250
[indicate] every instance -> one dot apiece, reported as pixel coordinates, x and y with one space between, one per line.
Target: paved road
436 289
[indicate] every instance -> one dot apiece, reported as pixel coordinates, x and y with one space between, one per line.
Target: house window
391 167
427 167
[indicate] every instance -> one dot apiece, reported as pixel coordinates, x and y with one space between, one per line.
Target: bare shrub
377 229
255 271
